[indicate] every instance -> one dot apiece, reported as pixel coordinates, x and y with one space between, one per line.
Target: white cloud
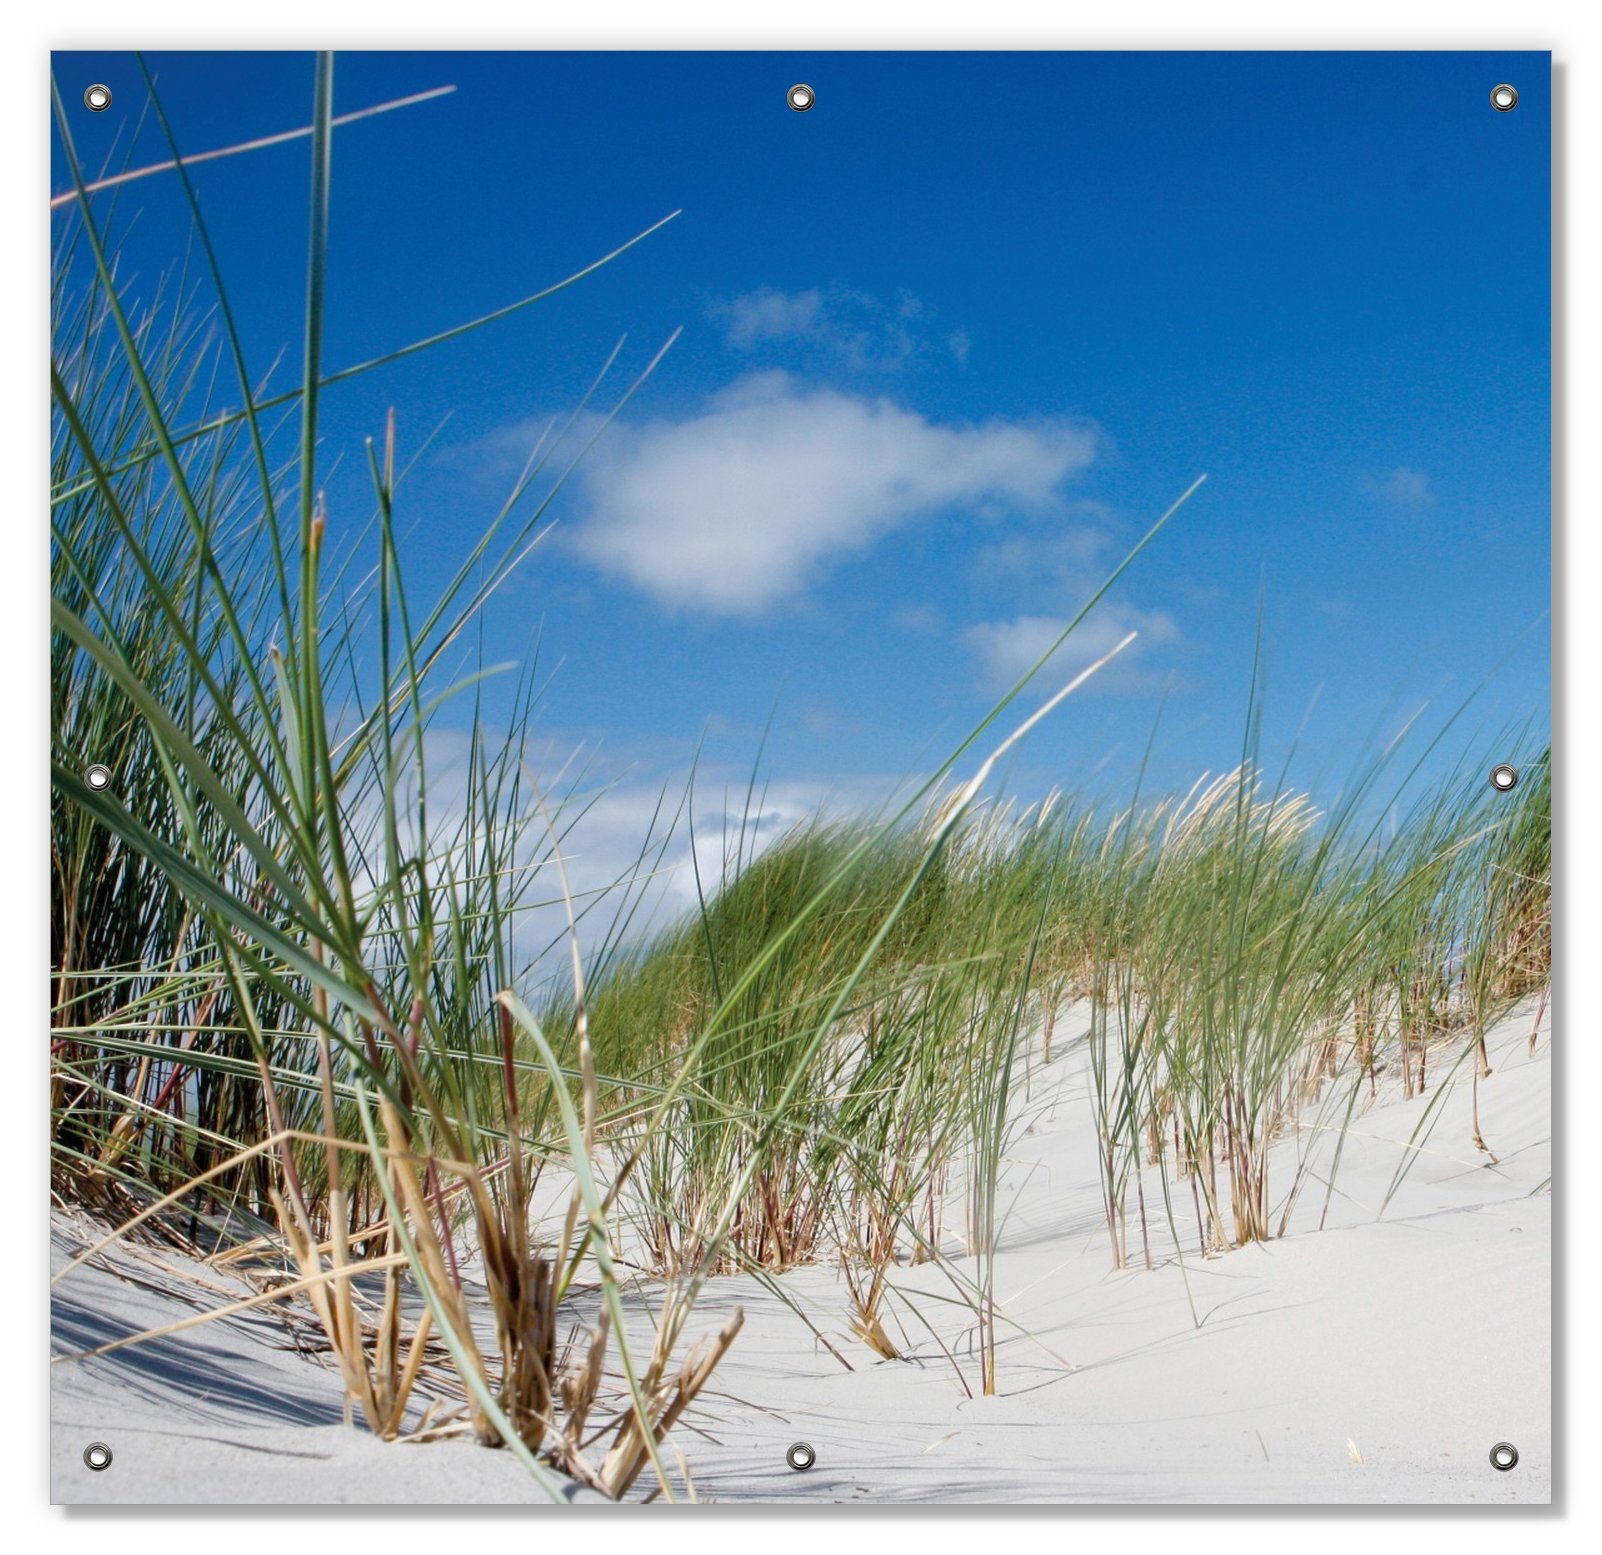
622 842
766 315
1055 558
1402 487
838 325
1006 649
636 834
744 505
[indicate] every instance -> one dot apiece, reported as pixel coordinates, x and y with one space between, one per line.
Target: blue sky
951 341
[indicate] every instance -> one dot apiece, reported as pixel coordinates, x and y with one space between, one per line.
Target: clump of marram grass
1260 952
282 1000
1214 999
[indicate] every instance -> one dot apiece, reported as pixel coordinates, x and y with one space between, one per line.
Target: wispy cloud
631 842
846 327
1402 487
625 843
745 504
918 618
765 315
1071 553
1006 649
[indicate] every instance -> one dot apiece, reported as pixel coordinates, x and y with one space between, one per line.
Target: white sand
1418 1340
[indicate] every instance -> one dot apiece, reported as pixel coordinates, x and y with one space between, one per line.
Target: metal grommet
98 1456
1504 1456
801 97
1504 779
98 777
1504 98
800 1456
97 98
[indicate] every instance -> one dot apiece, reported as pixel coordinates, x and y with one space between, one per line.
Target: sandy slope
1414 1342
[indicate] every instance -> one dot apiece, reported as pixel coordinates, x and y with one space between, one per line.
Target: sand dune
1374 1360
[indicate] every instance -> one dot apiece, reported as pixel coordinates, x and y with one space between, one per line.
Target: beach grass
295 1024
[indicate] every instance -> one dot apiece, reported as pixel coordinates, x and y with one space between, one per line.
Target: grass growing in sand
292 1027
300 993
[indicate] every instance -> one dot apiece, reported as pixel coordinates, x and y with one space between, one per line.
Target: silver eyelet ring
1504 779
98 777
800 1456
801 97
1504 1456
97 98
1504 98
97 1456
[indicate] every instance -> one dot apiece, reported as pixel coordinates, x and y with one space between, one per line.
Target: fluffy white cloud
1006 649
745 504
